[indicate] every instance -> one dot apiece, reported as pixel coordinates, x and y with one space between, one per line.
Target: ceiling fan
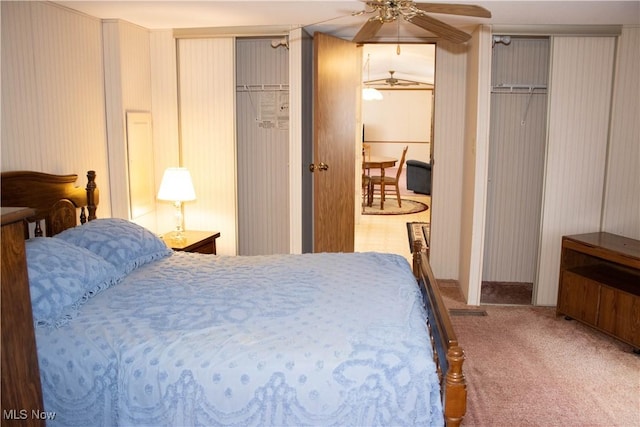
393 81
417 13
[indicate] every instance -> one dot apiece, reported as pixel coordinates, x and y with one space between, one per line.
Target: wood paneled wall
475 162
127 80
301 142
207 135
578 131
164 105
53 98
446 201
622 191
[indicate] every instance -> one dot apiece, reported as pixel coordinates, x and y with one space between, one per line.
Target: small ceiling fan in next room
387 11
393 81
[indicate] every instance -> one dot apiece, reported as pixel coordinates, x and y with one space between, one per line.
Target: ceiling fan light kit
416 13
371 94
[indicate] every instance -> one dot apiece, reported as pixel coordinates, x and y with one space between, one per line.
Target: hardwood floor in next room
388 233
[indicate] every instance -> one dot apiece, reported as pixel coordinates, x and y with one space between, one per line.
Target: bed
141 335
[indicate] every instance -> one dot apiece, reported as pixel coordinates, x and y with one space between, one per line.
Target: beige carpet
506 293
527 367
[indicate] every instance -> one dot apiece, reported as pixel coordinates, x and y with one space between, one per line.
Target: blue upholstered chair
419 176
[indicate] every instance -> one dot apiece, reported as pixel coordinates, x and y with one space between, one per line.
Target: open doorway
403 77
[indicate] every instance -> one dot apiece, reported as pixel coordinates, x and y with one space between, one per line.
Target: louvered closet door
207 132
578 128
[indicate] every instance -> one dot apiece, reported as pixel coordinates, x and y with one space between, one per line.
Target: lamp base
177 236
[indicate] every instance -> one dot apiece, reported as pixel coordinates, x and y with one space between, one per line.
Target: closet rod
262 88
516 88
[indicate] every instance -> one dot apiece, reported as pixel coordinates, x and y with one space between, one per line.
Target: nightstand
203 242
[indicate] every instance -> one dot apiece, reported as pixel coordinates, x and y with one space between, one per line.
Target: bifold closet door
578 131
207 135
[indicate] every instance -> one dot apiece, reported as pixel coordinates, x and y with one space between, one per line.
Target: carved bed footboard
448 354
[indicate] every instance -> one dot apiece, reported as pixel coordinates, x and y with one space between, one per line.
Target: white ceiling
335 17
313 13
416 62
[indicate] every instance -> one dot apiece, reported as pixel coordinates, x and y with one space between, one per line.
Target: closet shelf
518 88
262 88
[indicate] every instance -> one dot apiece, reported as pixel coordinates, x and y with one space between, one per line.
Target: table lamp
177 187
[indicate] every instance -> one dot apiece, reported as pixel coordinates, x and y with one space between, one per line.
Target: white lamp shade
371 94
176 186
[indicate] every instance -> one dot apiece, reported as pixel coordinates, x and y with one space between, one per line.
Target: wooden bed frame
56 201
447 353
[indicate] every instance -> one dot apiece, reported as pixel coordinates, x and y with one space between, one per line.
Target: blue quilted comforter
282 340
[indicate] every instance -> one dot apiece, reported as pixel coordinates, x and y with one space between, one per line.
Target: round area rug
391 207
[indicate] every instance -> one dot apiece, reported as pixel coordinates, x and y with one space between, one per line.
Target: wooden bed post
453 385
92 196
417 248
456 388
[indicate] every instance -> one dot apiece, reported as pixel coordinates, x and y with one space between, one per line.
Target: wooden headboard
55 198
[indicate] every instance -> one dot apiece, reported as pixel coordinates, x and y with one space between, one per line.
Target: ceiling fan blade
455 9
376 81
405 82
368 30
440 29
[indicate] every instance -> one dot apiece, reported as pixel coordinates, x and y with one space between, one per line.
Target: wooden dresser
600 284
20 405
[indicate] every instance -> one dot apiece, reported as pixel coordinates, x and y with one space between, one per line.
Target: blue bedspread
315 339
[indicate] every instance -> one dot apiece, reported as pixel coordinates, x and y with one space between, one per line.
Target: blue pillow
123 243
62 277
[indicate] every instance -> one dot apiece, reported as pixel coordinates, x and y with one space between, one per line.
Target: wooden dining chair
389 181
367 195
366 191
366 155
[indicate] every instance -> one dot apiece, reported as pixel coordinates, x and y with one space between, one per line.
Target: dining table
378 162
